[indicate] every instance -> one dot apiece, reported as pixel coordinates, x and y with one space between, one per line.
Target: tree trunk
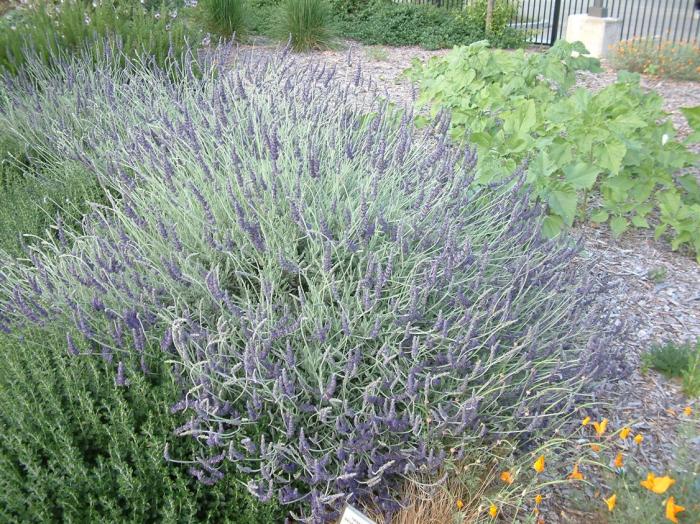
489 15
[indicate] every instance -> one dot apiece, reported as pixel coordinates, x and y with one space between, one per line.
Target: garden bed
652 292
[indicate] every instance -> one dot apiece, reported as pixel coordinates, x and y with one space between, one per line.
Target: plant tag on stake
354 516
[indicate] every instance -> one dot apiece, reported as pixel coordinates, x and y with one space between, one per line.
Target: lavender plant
341 305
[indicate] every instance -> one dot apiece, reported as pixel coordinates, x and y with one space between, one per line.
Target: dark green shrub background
75 448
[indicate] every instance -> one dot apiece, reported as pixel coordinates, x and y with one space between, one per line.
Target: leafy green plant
383 22
225 18
75 448
657 274
676 361
51 28
616 144
306 23
668 59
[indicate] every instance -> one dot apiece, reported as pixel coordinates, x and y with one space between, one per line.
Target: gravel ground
653 311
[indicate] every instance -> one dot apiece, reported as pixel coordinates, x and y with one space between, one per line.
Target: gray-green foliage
345 306
75 448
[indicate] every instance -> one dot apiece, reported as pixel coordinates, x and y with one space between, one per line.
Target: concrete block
597 34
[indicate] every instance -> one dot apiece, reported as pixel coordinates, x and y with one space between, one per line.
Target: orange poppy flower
507 477
657 484
618 460
595 447
585 421
638 439
687 411
539 464
576 474
672 509
538 499
493 510
460 503
611 501
600 426
625 432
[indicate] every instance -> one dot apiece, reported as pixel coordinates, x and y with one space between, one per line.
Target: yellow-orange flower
507 477
585 421
625 432
493 510
611 501
618 460
460 503
687 411
595 447
657 484
538 499
638 439
600 426
672 509
576 474
539 464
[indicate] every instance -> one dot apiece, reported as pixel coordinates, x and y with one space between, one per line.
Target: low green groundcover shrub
400 24
77 449
341 304
608 156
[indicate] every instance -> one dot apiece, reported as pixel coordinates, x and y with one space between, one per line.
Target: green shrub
306 23
75 448
677 361
49 28
383 22
616 143
678 60
225 18
30 201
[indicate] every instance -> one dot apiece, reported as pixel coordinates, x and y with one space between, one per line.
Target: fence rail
672 20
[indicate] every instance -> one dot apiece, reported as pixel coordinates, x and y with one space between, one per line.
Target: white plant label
354 516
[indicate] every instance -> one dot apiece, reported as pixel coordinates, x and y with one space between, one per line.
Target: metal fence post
555 22
598 9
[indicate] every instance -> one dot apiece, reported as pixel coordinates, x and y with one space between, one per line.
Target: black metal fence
672 20
546 20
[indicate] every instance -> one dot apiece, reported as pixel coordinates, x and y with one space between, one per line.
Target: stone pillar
597 34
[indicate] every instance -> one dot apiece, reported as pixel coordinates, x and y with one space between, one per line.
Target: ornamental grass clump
342 306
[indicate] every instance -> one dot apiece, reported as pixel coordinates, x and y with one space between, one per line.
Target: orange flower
625 432
687 411
539 464
638 439
618 460
672 510
657 484
460 503
585 421
600 426
595 447
507 477
538 499
576 474
493 510
611 501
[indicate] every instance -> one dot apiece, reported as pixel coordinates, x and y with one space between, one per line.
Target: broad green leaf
639 221
610 155
552 225
540 167
692 115
563 202
619 225
581 175
600 216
